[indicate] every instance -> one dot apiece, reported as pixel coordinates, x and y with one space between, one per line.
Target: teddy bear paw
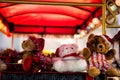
94 72
112 72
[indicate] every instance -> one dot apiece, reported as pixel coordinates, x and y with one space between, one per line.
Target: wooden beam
51 3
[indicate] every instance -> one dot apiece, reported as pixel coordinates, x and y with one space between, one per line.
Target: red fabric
27 63
73 54
89 77
98 60
39 42
49 19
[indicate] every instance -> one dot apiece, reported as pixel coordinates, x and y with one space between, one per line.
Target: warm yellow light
19 61
92 25
0 21
1 24
47 52
4 29
82 33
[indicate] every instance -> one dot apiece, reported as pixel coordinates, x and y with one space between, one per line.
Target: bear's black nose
100 46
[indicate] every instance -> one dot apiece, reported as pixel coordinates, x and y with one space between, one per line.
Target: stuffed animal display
33 59
68 59
97 53
8 56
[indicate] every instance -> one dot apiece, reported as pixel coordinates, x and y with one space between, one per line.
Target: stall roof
49 19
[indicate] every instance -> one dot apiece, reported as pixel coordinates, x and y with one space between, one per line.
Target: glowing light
19 61
92 25
95 21
4 29
82 33
1 24
76 36
117 2
47 52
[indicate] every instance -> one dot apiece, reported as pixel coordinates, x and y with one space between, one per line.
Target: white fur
70 65
60 66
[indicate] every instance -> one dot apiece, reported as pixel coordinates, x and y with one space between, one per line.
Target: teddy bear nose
100 46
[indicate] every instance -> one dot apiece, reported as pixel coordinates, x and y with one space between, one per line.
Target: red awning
51 19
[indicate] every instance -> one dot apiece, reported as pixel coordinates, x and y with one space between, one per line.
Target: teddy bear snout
100 48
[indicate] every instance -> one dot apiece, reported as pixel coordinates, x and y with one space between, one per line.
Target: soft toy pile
8 56
68 59
33 59
97 53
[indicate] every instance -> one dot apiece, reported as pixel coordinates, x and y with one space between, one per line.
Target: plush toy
9 58
33 59
68 59
97 53
8 55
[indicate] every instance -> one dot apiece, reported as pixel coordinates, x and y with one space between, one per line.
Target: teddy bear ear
57 52
91 36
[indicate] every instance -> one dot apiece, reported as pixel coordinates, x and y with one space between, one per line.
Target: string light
1 24
95 21
92 25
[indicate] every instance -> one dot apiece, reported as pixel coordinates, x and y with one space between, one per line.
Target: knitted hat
39 42
108 39
62 50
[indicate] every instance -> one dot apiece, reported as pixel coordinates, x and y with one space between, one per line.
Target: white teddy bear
68 59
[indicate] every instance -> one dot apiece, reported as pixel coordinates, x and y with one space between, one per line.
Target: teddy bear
33 59
98 52
68 59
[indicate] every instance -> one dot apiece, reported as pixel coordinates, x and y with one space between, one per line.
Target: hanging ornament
117 2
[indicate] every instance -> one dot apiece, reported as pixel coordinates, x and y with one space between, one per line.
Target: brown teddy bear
97 53
33 59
